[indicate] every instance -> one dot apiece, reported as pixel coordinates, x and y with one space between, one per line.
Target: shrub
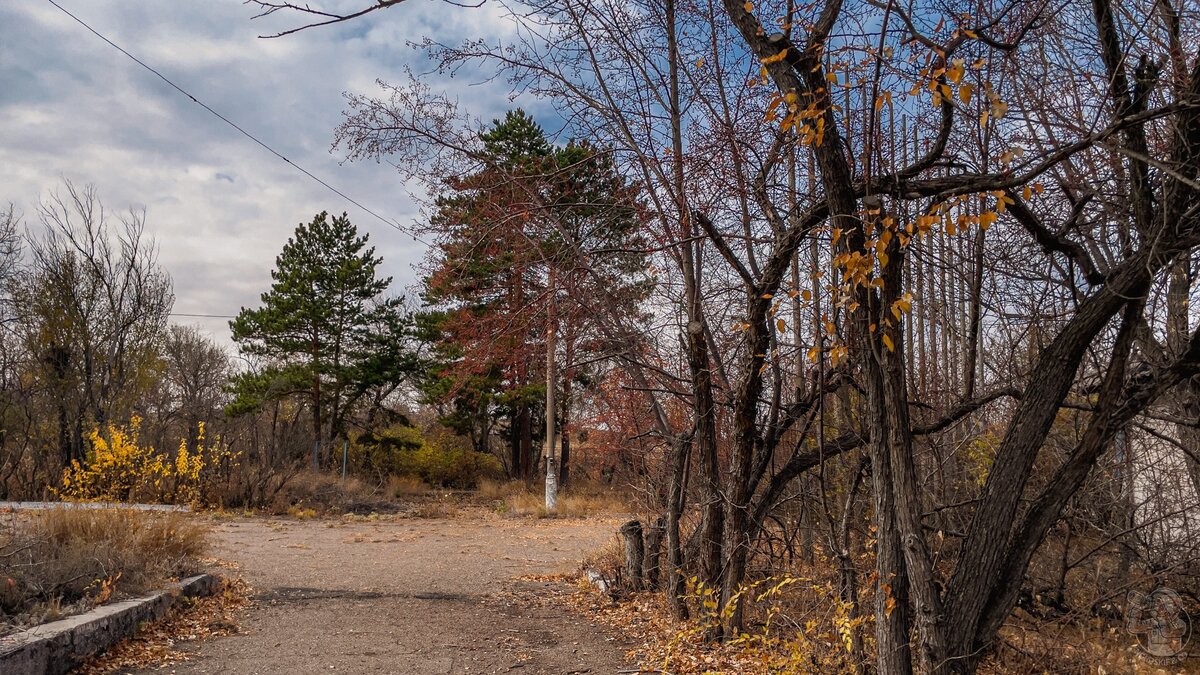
118 468
448 460
438 457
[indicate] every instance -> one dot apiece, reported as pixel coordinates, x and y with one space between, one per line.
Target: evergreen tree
324 329
528 248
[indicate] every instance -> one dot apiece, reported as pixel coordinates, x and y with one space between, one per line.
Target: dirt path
412 596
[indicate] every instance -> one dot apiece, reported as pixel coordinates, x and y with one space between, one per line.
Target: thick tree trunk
891 578
631 534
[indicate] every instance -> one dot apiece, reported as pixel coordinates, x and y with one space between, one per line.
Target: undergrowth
64 560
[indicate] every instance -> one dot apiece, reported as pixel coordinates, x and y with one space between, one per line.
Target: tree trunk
635 554
564 459
316 405
525 429
654 536
675 496
514 445
891 580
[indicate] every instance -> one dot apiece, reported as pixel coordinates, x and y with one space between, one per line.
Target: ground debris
156 644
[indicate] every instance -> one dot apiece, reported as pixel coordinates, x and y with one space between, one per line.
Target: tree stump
635 554
654 537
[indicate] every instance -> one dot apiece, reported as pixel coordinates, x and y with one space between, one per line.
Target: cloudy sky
219 207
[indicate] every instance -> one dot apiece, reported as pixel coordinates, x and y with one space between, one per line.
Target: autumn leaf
776 58
954 72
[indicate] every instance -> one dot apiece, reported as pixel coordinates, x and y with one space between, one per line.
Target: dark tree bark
631 534
654 537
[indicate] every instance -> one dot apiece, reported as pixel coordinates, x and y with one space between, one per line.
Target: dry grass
400 487
312 493
579 500
68 559
435 509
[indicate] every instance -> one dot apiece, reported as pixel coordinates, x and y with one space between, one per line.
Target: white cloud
219 206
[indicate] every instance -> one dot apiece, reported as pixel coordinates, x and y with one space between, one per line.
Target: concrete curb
54 648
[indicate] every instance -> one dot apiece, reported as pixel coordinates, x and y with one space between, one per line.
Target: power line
226 120
205 316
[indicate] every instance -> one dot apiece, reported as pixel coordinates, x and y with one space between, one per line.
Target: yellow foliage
119 468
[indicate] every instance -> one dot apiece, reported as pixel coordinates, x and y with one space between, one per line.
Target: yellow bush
118 468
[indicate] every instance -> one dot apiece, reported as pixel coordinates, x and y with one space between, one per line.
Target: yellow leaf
965 92
749 6
887 341
806 294
836 354
954 72
986 219
781 325
776 58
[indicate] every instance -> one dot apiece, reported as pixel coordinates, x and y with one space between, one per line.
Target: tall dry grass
71 558
578 500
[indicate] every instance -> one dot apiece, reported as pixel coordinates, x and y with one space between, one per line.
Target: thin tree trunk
674 588
551 406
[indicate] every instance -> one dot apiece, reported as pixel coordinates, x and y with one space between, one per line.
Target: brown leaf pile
664 645
156 644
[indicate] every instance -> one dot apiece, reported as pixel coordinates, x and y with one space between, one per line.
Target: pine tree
324 328
528 249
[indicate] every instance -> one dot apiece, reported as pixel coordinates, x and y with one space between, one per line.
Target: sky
219 207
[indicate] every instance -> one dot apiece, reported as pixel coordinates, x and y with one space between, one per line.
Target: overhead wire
387 221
